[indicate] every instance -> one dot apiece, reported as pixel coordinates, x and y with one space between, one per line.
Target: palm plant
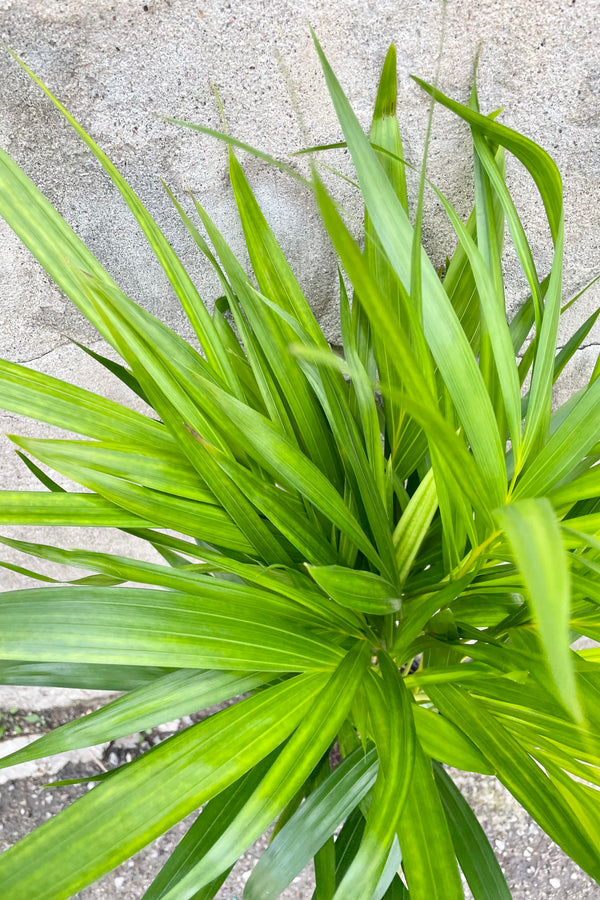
388 552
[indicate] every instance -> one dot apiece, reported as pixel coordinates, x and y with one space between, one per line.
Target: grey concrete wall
114 64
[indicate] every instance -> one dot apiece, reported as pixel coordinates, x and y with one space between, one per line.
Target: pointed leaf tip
387 93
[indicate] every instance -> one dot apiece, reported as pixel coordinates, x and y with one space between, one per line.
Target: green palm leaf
136 626
535 539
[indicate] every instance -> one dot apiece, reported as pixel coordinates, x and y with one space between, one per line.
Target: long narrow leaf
473 850
132 626
41 508
164 699
536 542
445 337
393 728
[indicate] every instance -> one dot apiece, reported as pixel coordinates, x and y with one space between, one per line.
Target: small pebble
169 726
555 883
500 845
119 881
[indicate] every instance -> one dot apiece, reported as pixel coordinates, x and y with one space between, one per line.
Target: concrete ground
536 869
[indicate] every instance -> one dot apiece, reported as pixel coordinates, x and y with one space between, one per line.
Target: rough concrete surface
114 64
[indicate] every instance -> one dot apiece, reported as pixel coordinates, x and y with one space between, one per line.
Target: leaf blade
536 542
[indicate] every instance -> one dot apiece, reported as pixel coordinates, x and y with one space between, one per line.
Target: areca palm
389 551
